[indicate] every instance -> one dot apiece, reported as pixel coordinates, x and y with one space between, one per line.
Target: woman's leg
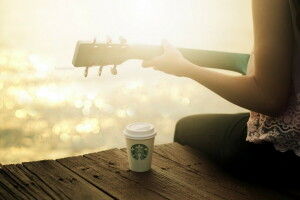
222 137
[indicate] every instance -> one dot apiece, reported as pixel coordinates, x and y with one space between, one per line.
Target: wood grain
178 172
65 183
29 183
108 178
200 165
154 180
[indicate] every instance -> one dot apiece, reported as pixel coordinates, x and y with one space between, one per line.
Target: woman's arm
212 59
266 90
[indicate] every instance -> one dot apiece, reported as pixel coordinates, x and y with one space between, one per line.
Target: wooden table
178 172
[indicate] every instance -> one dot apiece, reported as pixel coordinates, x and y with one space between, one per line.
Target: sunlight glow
3 60
56 112
78 103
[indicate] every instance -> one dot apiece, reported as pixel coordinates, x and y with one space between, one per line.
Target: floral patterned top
284 130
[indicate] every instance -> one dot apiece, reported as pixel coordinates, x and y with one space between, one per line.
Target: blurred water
49 110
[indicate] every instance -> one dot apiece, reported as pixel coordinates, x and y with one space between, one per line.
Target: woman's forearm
236 89
216 59
212 59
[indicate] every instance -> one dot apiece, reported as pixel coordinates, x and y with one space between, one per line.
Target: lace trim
283 131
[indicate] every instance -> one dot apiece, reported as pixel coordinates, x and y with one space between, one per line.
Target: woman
268 142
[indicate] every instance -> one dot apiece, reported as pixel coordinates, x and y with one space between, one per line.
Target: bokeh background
49 110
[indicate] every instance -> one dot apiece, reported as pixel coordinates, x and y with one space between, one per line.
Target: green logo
139 151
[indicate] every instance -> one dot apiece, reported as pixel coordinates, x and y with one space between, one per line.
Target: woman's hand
171 62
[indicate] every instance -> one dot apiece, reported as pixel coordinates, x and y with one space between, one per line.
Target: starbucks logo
139 151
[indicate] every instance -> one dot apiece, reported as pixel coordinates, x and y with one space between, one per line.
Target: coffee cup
139 141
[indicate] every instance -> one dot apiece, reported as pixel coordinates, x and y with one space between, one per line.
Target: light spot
24 97
78 103
64 137
133 85
79 128
130 112
121 113
3 60
88 104
33 58
65 129
21 114
91 96
99 103
56 129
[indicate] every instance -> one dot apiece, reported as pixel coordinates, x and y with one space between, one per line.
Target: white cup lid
139 131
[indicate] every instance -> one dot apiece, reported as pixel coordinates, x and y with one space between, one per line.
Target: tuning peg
108 40
122 40
86 71
100 70
114 70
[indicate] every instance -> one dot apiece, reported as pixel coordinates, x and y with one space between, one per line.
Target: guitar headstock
91 53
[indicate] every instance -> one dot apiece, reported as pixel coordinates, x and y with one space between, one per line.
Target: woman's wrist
189 69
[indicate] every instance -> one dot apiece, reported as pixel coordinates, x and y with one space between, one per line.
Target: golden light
130 112
86 111
24 97
51 94
99 103
132 85
34 59
65 137
78 103
185 101
9 105
65 129
89 125
3 60
87 103
121 113
76 138
38 79
56 129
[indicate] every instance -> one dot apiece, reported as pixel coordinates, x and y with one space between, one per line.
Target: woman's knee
179 129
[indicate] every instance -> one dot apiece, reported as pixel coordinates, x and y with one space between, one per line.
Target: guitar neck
212 59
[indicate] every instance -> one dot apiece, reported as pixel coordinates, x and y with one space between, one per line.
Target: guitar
91 53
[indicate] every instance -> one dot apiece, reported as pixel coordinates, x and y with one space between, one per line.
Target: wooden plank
181 174
9 189
108 178
29 183
5 195
194 161
198 182
65 183
157 179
